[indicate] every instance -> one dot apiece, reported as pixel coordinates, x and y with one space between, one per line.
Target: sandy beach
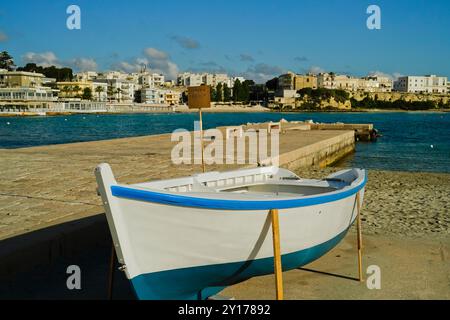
410 204
406 218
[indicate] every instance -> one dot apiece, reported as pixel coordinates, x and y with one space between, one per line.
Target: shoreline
225 110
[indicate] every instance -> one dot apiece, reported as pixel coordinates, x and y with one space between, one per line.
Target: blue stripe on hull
196 283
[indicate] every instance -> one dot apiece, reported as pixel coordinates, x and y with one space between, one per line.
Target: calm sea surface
410 142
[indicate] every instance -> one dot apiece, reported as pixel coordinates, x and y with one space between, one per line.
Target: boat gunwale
236 205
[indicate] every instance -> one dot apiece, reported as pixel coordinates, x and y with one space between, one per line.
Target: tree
213 95
60 74
226 93
118 92
237 90
245 90
219 92
87 93
272 84
110 91
6 61
76 90
66 90
99 90
138 96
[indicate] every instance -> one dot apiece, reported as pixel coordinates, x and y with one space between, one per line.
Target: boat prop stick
359 234
111 271
277 254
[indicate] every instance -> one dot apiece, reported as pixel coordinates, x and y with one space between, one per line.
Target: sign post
200 97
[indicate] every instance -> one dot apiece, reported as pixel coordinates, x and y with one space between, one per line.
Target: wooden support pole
112 263
359 235
277 254
201 138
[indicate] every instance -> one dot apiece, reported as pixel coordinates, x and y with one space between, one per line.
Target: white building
421 84
188 79
152 96
151 80
333 81
344 82
160 96
376 83
86 76
119 90
100 94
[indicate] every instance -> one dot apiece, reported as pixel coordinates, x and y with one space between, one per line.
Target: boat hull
225 247
177 284
178 247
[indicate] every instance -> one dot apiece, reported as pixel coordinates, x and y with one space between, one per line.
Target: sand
406 219
410 204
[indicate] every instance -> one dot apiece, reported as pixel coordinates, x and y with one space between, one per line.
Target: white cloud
262 72
316 70
156 54
159 61
48 58
45 59
83 64
393 76
185 42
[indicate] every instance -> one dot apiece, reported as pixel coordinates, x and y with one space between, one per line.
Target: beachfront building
372 83
15 79
85 76
151 80
421 84
172 97
160 96
26 99
119 90
333 81
376 83
152 96
22 91
76 90
286 97
188 79
292 81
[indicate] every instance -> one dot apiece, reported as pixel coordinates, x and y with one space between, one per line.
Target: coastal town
38 90
229 152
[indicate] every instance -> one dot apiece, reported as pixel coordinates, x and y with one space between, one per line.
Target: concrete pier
49 207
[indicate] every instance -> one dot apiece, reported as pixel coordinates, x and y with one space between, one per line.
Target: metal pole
359 234
201 138
277 254
111 271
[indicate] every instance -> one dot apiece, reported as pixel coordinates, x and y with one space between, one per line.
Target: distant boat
191 237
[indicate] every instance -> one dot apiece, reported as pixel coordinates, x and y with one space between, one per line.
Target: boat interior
266 181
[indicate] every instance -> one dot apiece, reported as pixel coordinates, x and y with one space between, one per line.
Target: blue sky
254 38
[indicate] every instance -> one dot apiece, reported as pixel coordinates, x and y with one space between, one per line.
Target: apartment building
422 84
85 76
15 79
292 81
151 80
188 79
20 90
160 96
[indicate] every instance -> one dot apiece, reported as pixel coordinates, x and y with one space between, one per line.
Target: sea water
411 141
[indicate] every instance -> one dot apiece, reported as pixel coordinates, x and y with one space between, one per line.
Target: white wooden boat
189 238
